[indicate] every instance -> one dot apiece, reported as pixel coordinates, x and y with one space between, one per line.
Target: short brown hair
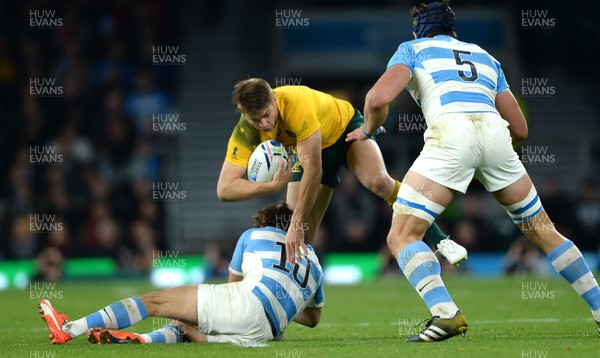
252 96
277 215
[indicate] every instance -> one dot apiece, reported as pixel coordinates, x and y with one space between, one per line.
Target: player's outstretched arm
310 317
191 333
358 134
509 109
232 185
309 155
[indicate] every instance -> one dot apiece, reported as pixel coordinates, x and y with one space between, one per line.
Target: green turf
520 317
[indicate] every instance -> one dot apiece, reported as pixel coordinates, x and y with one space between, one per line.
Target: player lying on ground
315 124
269 294
471 116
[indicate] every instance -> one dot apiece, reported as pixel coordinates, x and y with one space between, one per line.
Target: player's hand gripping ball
265 161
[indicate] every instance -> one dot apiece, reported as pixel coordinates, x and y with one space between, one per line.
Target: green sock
435 234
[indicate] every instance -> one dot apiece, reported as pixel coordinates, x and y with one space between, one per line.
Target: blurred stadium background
115 116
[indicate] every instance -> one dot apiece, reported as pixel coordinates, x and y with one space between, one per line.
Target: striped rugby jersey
450 76
284 289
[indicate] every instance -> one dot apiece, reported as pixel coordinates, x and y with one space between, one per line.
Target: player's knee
395 244
542 232
152 302
381 184
392 241
409 230
413 213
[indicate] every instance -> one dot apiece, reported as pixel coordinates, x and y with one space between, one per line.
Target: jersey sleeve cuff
238 162
235 272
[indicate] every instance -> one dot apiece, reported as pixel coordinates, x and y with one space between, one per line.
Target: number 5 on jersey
459 61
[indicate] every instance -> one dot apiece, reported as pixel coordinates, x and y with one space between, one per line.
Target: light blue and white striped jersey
284 289
450 76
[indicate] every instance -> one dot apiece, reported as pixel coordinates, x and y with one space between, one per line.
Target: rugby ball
264 161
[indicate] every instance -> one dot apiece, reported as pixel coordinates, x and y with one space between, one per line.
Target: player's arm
309 155
191 333
312 313
310 317
509 109
385 90
235 265
233 186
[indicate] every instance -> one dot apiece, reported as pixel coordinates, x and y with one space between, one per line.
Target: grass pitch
512 317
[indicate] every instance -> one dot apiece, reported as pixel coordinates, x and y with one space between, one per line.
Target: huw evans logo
408 326
45 353
537 155
534 354
163 191
291 19
537 87
44 155
41 290
411 123
288 81
167 259
293 85
284 222
167 55
44 87
44 223
537 19
167 123
44 20
288 353
536 291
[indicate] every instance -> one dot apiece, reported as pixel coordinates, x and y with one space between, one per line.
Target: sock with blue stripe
422 268
170 333
570 264
118 315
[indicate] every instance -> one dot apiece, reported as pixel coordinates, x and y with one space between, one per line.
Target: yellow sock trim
392 198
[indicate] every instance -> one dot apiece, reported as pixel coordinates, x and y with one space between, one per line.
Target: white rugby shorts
230 313
459 146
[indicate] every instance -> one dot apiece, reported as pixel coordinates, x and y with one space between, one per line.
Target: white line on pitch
493 321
